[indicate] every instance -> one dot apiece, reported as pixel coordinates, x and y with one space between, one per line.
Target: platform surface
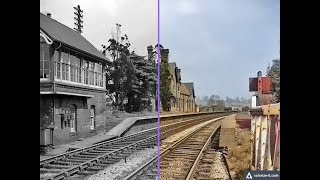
113 133
228 131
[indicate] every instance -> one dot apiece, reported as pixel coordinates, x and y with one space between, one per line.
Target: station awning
66 93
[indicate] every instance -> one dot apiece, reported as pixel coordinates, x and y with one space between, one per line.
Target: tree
246 108
213 99
143 83
165 93
118 50
220 103
273 72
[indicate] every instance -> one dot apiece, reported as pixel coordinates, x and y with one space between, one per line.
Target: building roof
62 33
173 66
190 88
184 90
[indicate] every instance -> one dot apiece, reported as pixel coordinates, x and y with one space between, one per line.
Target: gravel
218 170
45 175
121 169
171 139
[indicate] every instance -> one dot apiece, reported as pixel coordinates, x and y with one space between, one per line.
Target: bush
246 108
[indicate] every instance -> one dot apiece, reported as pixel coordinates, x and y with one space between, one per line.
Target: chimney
149 48
179 74
164 54
49 15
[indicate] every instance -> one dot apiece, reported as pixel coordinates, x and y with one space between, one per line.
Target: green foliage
273 72
220 103
246 108
165 93
133 76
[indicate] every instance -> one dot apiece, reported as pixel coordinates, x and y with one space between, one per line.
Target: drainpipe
54 68
54 89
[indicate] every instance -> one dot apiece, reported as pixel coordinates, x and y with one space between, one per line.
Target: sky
138 19
220 44
217 44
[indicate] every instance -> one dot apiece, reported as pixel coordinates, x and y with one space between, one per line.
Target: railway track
89 160
181 159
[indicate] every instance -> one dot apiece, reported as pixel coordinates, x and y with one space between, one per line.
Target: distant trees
218 101
133 77
273 72
246 108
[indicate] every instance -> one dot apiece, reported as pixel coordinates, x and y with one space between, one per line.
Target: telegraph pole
78 19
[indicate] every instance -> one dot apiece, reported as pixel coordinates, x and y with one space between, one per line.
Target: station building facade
183 100
72 81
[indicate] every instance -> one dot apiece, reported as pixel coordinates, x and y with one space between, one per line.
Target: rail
141 171
77 161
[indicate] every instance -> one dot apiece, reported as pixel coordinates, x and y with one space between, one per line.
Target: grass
239 156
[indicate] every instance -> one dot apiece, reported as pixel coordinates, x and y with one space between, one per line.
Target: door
92 118
73 118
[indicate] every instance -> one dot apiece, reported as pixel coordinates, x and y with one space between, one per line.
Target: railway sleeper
189 154
83 157
206 170
202 178
94 168
204 166
91 154
189 147
115 147
63 163
185 151
169 170
78 160
44 170
150 174
110 161
205 174
181 156
172 176
98 150
51 166
207 160
104 165
170 159
124 154
110 149
85 173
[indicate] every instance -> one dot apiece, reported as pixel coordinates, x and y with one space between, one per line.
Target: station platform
115 132
128 122
228 132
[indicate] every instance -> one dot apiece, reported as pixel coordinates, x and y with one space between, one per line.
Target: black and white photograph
159 89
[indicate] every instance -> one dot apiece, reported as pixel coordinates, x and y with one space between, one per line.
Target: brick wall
83 105
46 105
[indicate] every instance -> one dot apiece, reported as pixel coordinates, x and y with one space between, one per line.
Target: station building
183 100
72 81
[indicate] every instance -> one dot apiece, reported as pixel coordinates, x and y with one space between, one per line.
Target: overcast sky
217 44
137 17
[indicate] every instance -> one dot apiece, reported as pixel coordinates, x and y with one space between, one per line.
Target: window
56 59
79 71
86 74
69 67
65 67
44 61
74 69
92 117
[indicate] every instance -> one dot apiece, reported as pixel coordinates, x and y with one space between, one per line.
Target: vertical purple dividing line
158 84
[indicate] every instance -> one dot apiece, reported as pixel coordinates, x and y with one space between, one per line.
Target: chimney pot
49 15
